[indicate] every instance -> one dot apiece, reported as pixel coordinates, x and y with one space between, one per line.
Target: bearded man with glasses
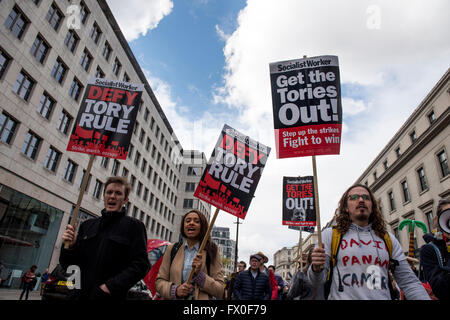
358 252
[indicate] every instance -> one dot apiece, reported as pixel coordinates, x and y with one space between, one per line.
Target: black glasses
357 196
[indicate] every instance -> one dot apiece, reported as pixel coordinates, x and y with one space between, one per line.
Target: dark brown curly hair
210 246
343 220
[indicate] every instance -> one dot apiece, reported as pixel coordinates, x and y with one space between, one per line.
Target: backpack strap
388 242
439 255
336 239
175 249
335 243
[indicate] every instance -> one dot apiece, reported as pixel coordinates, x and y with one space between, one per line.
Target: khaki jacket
172 274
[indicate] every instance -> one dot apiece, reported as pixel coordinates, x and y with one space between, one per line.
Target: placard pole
74 219
205 239
316 198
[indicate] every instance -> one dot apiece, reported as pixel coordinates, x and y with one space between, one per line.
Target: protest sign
106 118
298 202
307 110
230 178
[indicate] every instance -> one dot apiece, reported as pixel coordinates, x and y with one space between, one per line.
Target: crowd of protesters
358 258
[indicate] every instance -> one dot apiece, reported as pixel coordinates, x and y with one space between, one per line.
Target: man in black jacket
436 253
252 284
111 251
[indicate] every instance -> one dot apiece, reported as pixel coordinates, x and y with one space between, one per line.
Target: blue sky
185 49
207 62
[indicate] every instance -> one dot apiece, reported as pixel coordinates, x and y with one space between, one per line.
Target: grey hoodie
362 268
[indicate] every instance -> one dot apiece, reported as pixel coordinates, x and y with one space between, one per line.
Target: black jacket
109 250
249 288
439 278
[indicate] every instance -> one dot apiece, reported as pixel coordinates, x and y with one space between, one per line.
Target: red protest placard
307 109
233 172
106 118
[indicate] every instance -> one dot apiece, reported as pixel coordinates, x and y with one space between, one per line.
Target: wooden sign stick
205 239
74 219
316 194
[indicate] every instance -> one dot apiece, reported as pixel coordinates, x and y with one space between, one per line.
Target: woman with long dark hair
207 282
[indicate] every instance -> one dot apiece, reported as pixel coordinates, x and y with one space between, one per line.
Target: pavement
14 294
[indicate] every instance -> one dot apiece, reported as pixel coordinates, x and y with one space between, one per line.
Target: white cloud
221 33
136 17
353 106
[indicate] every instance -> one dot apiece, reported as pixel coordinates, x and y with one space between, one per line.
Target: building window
130 151
104 162
137 158
54 16
64 122
430 222
391 200
431 117
86 60
190 186
24 85
132 181
406 196
53 156
385 164
98 189
126 78
46 105
8 126
88 180
145 194
152 123
124 172
59 71
413 136
146 113
141 136
188 203
375 176
422 179
116 67
115 168
71 40
95 33
147 144
75 89
443 163
31 145
4 62
69 171
107 51
144 165
84 12
99 73
139 188
193 171
17 22
135 211
397 152
40 48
